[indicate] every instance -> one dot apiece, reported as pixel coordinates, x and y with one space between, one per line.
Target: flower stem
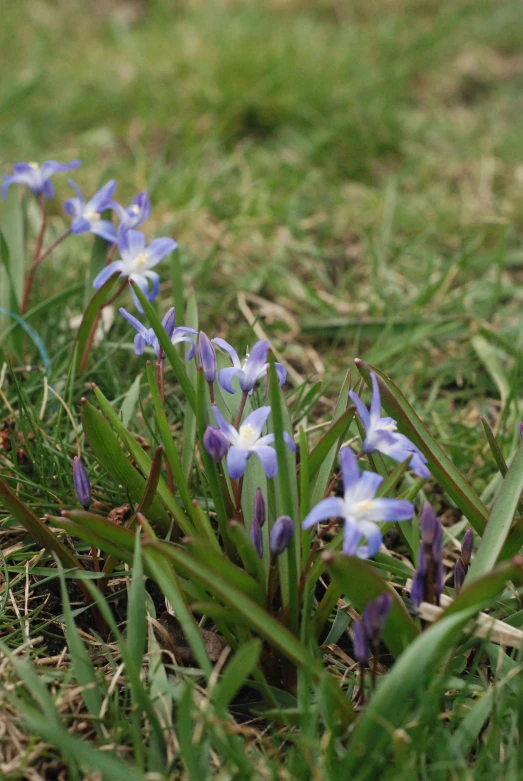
38 249
243 402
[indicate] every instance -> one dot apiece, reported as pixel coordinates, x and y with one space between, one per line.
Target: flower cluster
369 628
137 258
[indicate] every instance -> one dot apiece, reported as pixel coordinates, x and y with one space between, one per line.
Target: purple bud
520 429
256 537
422 561
207 357
416 592
281 535
439 579
215 443
467 545
459 574
429 524
259 507
375 616
82 486
361 646
169 322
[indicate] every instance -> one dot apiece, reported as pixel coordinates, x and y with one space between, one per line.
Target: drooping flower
359 509
136 213
248 442
254 368
147 337
137 262
281 535
381 434
207 357
87 216
82 486
215 443
37 177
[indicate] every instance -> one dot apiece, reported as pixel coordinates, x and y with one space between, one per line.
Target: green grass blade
136 618
236 674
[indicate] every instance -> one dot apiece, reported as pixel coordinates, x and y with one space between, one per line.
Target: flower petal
105 229
155 279
281 371
257 419
132 320
389 510
351 537
107 272
366 487
80 225
375 404
237 461
159 249
256 364
226 376
229 349
130 243
268 458
139 344
361 409
102 199
332 507
372 534
51 167
226 428
349 467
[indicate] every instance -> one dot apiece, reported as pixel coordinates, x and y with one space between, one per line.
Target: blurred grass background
355 168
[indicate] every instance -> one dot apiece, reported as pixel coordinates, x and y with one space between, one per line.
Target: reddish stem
243 402
38 249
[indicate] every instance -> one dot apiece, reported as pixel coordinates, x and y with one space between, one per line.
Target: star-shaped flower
254 367
87 216
37 177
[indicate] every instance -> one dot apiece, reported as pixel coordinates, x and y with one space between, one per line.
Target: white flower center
141 260
134 209
364 506
34 166
390 427
92 216
247 437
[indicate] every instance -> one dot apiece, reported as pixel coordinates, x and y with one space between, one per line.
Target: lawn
346 181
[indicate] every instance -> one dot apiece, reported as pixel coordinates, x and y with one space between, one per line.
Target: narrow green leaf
94 306
130 401
236 673
500 520
136 618
113 459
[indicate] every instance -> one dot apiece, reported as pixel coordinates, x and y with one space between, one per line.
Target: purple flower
147 337
460 573
381 434
37 177
248 442
281 535
361 645
87 216
259 507
254 367
82 486
256 537
134 215
368 630
137 262
359 509
428 581
215 443
207 357
467 546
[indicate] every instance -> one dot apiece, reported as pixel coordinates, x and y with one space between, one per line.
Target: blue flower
381 434
207 357
147 337
359 509
37 177
137 262
248 441
87 216
254 368
134 215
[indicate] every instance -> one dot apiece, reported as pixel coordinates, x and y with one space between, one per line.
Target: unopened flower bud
361 646
82 486
215 443
259 507
281 535
467 546
459 574
169 322
256 537
416 592
375 616
429 524
207 357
